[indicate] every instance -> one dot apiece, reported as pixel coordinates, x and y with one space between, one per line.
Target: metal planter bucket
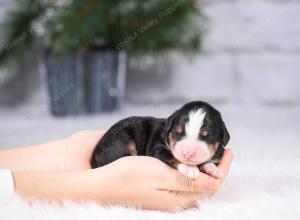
65 84
105 73
88 82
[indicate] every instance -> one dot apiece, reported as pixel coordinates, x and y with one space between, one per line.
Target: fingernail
211 184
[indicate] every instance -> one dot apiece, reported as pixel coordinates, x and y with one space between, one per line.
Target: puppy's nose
188 152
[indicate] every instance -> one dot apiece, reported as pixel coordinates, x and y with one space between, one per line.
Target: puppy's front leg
192 172
211 169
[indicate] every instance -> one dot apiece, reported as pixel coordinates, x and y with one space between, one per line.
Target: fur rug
264 181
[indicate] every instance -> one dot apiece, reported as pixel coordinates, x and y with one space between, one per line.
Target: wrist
43 157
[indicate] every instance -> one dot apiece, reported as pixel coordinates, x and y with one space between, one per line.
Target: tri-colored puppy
192 138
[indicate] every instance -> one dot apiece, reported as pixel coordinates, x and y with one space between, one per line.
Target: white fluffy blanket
264 182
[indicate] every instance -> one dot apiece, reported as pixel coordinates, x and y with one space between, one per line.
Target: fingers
173 201
225 162
211 169
163 177
203 184
186 191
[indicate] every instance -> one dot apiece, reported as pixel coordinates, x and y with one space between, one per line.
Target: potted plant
87 43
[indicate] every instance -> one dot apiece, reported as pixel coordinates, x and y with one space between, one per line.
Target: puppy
191 139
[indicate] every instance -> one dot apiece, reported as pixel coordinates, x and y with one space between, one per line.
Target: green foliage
17 28
138 26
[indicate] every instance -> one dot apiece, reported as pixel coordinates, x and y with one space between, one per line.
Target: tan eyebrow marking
204 132
179 129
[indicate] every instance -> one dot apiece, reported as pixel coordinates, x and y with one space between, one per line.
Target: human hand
78 149
148 183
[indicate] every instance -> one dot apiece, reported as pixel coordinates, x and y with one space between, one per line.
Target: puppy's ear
225 135
170 122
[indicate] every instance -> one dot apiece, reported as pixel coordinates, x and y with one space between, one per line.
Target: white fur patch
192 172
195 122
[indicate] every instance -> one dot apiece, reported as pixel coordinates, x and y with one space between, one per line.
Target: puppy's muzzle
191 151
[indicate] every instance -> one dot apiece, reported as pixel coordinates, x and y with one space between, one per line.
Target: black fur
151 135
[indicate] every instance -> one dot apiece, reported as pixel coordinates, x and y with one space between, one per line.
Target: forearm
71 153
58 186
43 157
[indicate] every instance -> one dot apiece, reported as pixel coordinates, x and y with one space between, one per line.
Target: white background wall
251 55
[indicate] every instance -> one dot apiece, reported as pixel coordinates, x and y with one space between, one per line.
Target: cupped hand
141 181
148 183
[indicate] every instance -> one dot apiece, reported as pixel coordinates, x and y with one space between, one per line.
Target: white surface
263 182
7 188
253 25
269 78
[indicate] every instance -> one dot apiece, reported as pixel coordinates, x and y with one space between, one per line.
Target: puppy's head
196 133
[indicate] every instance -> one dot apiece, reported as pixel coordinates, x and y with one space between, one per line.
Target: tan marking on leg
132 147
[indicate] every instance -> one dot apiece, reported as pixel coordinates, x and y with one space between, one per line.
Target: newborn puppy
192 138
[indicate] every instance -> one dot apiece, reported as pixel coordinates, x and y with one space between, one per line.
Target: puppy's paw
192 172
211 169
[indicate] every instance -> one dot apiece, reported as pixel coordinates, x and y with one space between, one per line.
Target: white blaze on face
195 122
